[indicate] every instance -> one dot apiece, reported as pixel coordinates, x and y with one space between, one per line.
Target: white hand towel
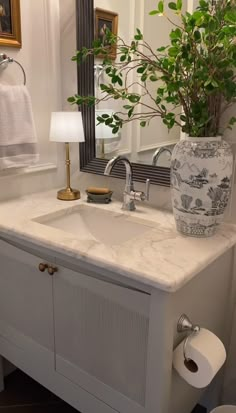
18 141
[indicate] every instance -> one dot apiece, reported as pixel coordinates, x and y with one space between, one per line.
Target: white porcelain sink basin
88 222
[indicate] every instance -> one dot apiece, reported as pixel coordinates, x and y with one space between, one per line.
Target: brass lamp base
68 194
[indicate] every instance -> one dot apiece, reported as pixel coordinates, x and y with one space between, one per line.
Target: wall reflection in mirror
141 145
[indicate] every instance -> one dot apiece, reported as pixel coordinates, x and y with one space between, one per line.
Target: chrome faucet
130 195
158 153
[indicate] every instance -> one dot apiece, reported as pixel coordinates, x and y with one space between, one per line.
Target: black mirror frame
85 72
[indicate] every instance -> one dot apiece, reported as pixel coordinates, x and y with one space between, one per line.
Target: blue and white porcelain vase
201 175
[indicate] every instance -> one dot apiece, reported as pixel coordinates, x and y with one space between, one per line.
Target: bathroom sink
88 222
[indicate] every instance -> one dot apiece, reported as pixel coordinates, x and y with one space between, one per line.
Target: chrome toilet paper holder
185 325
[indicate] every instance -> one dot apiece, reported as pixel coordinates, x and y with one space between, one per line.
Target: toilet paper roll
207 355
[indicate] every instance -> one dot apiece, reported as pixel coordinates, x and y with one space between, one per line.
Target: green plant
194 75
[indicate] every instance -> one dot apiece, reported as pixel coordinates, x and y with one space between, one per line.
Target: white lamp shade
66 127
104 131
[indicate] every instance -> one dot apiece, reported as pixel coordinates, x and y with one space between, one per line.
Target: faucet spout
129 194
129 186
158 153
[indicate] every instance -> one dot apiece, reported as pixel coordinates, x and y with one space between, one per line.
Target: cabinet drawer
101 338
26 310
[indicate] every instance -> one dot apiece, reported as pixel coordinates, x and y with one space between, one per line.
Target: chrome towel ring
5 60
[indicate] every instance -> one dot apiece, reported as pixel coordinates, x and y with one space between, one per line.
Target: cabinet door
101 338
26 310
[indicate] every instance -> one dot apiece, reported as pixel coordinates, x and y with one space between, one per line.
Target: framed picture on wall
10 23
105 19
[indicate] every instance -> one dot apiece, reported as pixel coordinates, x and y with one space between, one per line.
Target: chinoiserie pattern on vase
201 174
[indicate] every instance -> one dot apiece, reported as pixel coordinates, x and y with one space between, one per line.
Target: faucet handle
140 195
147 189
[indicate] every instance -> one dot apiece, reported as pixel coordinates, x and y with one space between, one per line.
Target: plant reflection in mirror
194 74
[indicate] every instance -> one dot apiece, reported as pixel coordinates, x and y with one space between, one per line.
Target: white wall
67 49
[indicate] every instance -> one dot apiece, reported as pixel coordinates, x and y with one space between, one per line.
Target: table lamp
67 127
103 131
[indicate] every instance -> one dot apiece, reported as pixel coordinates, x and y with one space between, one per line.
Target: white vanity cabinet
89 335
26 308
103 343
101 338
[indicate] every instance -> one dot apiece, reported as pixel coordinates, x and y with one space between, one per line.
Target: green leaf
124 49
172 6
119 81
114 79
138 37
203 4
141 69
173 51
212 25
153 78
134 98
100 119
179 4
130 112
160 6
160 91
108 121
214 83
228 74
104 87
143 124
123 58
197 36
178 33
161 49
230 16
115 130
96 43
144 77
153 12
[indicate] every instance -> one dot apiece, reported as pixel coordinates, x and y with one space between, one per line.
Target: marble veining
160 257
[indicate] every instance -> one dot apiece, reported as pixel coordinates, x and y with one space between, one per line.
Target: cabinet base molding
199 409
1 375
40 369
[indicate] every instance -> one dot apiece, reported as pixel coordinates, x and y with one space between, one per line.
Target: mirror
138 144
69 25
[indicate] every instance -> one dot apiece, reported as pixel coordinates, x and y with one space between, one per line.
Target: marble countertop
160 258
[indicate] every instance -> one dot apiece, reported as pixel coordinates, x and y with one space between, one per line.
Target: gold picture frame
10 23
109 19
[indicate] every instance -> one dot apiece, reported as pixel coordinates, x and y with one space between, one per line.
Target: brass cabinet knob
42 266
52 270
